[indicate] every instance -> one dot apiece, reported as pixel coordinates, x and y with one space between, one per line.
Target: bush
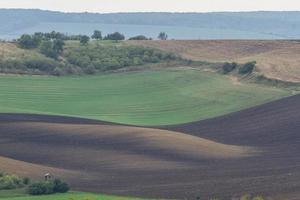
31 65
247 68
26 181
60 187
41 188
48 187
8 182
92 59
229 67
139 37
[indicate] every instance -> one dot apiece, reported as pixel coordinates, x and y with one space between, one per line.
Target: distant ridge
218 25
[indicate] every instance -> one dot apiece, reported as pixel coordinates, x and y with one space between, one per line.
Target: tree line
30 41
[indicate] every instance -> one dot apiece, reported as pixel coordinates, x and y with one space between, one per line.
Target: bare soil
251 151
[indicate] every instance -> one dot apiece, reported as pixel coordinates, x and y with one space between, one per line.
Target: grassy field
20 194
143 98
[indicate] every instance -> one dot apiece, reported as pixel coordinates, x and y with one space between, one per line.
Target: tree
58 45
114 36
28 41
162 36
47 49
84 39
97 35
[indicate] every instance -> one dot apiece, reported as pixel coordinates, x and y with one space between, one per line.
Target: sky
107 6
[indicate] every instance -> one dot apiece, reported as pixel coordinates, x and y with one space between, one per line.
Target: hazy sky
105 6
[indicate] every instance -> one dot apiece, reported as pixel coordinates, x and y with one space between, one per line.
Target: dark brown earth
252 151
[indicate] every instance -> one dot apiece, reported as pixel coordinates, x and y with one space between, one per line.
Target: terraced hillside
275 59
255 150
139 98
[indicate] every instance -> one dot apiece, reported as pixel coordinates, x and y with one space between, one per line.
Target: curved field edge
271 127
148 98
20 194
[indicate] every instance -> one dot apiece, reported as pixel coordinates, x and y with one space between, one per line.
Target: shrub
229 67
48 187
8 182
139 37
60 187
92 59
26 180
41 188
247 68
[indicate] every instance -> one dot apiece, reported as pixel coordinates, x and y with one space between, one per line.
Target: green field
140 98
20 194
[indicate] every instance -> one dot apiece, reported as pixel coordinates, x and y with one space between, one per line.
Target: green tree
115 36
47 49
97 35
84 39
58 45
162 36
28 41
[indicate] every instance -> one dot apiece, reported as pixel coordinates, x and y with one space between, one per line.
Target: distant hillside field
275 59
223 25
140 98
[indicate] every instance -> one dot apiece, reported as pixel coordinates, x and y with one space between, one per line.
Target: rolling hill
275 59
254 150
156 97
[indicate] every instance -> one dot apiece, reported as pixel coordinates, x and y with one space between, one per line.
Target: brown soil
255 150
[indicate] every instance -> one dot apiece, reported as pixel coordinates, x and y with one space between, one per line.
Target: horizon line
133 12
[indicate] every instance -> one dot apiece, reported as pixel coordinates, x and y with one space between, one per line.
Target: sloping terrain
138 98
255 150
275 59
